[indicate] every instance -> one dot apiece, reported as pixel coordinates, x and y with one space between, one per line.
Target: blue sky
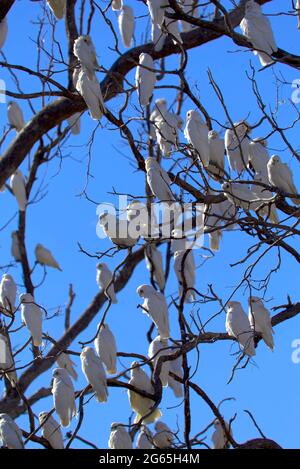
269 386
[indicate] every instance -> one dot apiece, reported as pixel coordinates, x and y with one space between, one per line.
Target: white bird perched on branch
172 27
84 50
159 348
63 396
217 215
164 437
6 359
256 27
158 37
90 91
139 404
238 326
266 207
18 187
32 317
145 78
216 154
184 268
237 146
64 361
196 133
51 430
158 181
106 348
8 293
15 116
58 8
3 32
219 438
281 176
126 25
240 195
259 156
144 439
74 123
10 433
44 256
154 263
120 232
104 279
176 368
15 246
260 320
155 306
94 372
143 221
119 438
157 11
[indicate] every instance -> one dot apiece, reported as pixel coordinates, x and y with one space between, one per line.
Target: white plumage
158 37
106 348
281 176
7 360
157 11
266 207
144 439
257 29
126 25
32 317
8 293
17 185
190 8
238 326
259 156
51 430
297 6
116 5
3 32
94 372
158 181
139 404
15 246
217 215
15 116
44 257
85 52
216 153
119 438
260 320
58 8
90 91
155 306
184 268
10 433
176 368
219 438
104 279
63 396
196 133
172 27
163 438
64 361
145 78
240 195
140 221
159 348
154 264
74 123
237 146
119 231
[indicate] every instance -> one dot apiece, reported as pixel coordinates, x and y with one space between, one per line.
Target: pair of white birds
243 328
120 439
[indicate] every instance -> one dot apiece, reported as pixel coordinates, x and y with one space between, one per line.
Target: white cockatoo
260 320
145 78
155 306
51 430
240 195
63 396
216 153
237 146
190 8
3 32
154 263
164 126
106 348
297 6
172 27
8 293
137 215
184 268
104 279
166 137
159 348
158 37
32 317
157 11
94 372
259 156
139 404
90 90
6 359
64 361
74 123
196 133
18 187
256 27
15 116
176 368
163 436
216 216
281 176
15 246
144 439
159 112
119 231
158 181
119 438
266 207
58 8
85 52
116 5
126 25
238 325
44 256
219 438
10 433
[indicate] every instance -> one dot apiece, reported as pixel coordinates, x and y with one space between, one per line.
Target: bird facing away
64 361
238 326
184 268
155 306
58 8
196 133
32 317
44 256
126 25
159 181
145 78
119 438
15 116
18 187
51 430
260 320
104 279
259 156
106 348
163 438
63 396
90 90
237 146
281 176
10 433
94 372
159 348
144 439
8 293
216 154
